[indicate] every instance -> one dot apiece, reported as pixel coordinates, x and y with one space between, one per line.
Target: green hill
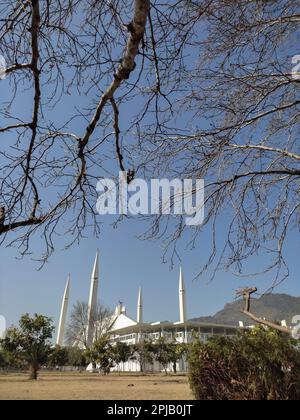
274 307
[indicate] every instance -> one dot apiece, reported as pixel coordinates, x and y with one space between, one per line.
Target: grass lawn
88 386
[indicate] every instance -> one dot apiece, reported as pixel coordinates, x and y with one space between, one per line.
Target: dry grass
87 386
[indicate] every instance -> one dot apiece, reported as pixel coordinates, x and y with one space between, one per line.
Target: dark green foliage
76 357
58 357
167 353
178 352
101 354
121 352
3 359
163 353
255 365
143 353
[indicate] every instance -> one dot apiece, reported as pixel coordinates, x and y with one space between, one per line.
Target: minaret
63 315
140 317
182 299
93 302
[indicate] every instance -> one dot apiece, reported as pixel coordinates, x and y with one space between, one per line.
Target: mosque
124 328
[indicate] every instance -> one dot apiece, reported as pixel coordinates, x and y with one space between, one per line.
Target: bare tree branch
247 293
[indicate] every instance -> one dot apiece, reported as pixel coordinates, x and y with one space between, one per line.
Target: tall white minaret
182 299
63 315
140 317
93 302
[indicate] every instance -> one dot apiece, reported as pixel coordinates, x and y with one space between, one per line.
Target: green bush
255 365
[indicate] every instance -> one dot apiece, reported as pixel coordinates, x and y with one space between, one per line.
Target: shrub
254 365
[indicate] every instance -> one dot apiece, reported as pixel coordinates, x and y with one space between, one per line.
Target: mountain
274 307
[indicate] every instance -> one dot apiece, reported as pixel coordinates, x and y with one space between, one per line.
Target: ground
88 386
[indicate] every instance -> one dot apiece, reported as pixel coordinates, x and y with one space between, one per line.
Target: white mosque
133 331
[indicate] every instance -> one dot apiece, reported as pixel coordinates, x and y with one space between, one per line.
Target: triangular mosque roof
122 321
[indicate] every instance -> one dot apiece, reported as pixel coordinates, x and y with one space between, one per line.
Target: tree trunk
175 368
34 368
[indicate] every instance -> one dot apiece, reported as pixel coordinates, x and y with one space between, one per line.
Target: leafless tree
76 332
54 49
76 70
239 108
217 98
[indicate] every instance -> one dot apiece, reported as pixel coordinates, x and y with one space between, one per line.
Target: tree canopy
30 342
